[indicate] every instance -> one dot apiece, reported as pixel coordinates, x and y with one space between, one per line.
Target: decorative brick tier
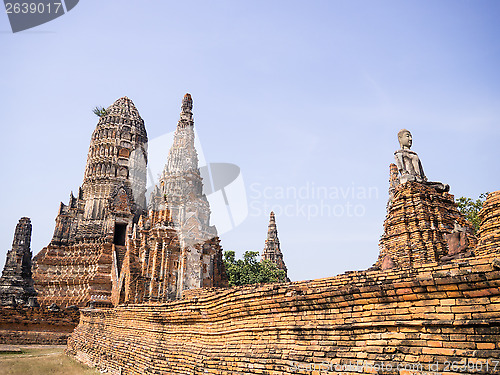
22 326
489 229
424 315
75 274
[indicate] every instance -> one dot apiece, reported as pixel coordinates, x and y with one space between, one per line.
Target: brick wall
73 275
23 325
426 316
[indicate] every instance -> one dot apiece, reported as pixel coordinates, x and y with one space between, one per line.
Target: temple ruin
423 223
16 283
272 250
108 247
431 300
90 233
173 248
154 289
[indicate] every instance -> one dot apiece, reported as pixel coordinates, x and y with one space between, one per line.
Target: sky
306 98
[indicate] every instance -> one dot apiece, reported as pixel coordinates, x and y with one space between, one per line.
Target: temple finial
187 103
186 118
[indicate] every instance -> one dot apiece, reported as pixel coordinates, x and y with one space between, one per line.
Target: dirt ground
39 360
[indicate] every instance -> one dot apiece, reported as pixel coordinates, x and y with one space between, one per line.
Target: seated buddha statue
409 165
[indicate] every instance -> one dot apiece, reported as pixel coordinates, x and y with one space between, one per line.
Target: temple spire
180 188
181 175
272 231
272 251
179 196
187 103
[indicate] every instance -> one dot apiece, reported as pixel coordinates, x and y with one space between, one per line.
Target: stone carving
409 165
53 307
16 283
457 243
272 251
387 263
423 224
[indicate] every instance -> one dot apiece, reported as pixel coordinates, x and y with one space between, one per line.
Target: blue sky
300 95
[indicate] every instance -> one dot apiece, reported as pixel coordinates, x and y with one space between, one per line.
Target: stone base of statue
417 227
438 186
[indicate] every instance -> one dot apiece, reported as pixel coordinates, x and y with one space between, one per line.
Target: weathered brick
36 325
237 326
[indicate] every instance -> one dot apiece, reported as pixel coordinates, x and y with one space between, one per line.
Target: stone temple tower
16 284
272 251
116 165
115 173
197 262
180 188
91 231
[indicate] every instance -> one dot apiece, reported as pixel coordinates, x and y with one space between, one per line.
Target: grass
41 361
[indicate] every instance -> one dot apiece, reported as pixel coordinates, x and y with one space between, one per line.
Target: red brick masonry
423 316
24 325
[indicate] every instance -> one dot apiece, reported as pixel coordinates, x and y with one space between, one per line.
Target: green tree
100 111
250 271
470 208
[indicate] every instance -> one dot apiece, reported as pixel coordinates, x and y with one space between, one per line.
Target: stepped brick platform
418 221
24 325
430 315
